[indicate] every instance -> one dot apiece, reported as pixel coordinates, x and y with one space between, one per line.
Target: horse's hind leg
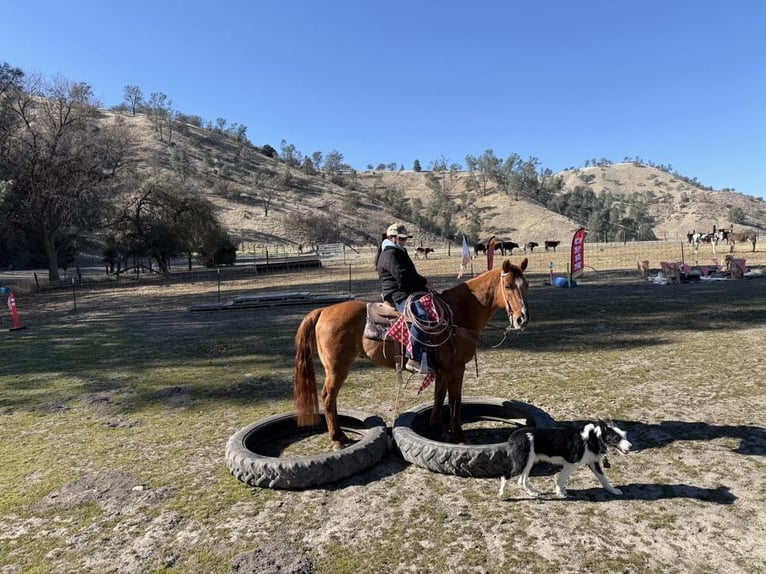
335 376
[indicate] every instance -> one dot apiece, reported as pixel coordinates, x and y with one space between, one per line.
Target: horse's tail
305 388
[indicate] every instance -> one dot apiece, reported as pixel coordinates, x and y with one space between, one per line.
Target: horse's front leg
440 392
455 423
455 389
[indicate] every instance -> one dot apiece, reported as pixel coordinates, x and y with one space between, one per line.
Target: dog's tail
520 445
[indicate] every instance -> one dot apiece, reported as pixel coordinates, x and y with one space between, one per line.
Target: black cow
552 245
531 246
508 246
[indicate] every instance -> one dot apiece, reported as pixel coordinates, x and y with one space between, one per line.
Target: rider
399 280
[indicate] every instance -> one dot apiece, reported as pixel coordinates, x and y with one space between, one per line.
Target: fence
351 270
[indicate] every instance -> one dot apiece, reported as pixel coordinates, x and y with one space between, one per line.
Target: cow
424 251
552 245
508 246
531 246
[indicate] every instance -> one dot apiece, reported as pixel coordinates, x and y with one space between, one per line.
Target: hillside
678 206
257 198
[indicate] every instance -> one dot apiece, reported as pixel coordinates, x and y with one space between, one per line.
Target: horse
424 251
749 236
712 238
336 333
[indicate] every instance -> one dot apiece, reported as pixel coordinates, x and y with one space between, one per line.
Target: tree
439 164
267 189
487 165
162 115
307 166
63 164
269 151
316 159
736 215
166 219
416 166
290 155
133 97
333 162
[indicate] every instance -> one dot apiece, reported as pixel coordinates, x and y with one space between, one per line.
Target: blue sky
679 83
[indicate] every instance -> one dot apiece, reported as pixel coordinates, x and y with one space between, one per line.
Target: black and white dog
569 447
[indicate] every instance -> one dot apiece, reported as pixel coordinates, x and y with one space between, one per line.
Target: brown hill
679 207
258 197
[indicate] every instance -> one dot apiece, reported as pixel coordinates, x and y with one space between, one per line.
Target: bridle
512 326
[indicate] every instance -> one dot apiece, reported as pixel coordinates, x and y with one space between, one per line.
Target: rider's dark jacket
397 273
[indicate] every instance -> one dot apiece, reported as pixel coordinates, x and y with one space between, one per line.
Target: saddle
380 317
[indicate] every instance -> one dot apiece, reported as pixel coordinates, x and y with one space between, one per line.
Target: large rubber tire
411 434
247 464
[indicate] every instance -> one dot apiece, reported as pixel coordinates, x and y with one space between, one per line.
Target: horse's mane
480 289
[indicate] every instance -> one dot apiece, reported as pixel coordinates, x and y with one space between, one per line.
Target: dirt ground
680 368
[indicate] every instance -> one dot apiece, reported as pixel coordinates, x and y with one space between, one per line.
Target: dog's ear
591 430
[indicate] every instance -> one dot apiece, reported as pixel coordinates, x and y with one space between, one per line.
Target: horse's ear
524 264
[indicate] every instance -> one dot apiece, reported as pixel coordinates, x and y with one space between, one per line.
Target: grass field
115 416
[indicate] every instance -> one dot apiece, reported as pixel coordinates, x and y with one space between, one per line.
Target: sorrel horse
336 332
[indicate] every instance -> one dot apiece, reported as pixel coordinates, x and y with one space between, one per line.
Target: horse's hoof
459 438
340 443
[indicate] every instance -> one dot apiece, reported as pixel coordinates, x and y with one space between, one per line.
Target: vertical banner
491 252
578 253
12 308
466 259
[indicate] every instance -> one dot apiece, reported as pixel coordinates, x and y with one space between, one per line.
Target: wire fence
346 269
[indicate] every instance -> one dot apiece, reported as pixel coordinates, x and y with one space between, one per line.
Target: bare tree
63 164
162 115
166 219
333 162
267 189
133 97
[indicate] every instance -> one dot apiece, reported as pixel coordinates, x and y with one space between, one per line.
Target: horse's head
511 294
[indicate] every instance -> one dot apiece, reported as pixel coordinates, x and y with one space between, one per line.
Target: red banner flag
491 252
578 253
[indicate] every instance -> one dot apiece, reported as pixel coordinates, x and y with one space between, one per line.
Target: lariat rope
431 327
441 324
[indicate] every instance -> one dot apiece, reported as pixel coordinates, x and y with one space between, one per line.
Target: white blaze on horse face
516 319
522 319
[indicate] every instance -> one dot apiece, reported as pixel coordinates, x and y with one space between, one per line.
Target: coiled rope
431 327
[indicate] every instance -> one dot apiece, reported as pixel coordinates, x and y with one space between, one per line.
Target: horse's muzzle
518 323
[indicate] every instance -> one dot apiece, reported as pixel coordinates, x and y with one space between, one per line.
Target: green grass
152 392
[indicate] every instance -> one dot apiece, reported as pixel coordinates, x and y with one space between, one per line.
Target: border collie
568 447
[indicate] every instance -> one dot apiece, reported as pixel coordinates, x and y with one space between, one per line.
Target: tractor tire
411 433
252 467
